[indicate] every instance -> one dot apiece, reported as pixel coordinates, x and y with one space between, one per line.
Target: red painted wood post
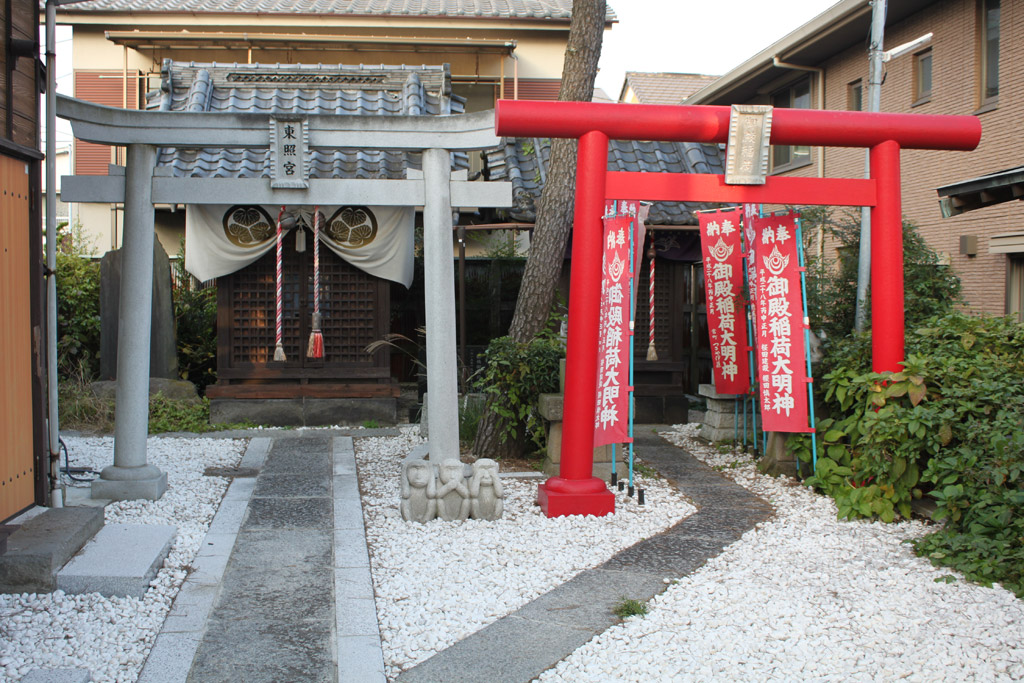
576 491
886 260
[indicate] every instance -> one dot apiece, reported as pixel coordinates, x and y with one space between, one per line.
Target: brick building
972 65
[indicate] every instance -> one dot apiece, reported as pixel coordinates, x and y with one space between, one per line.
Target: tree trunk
555 210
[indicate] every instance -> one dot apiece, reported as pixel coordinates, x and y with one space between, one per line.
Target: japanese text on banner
611 414
723 285
780 330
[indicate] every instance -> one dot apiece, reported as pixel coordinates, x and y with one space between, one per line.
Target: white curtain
221 239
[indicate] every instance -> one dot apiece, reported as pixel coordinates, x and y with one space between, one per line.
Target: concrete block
119 562
349 411
716 405
718 420
57 676
360 659
43 545
550 406
171 658
278 412
708 391
357 618
176 389
130 489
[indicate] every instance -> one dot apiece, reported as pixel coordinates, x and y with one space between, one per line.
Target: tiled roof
664 88
498 9
517 161
302 89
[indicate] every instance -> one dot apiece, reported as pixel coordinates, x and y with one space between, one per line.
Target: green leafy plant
514 376
630 608
78 316
371 424
950 426
195 320
930 288
79 407
170 415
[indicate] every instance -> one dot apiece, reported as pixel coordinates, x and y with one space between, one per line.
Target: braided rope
316 261
279 348
652 353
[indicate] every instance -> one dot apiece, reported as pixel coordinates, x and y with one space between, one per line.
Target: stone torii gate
575 490
141 184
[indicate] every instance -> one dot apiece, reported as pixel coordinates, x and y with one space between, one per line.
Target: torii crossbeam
576 490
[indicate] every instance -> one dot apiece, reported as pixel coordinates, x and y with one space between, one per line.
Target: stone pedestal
550 408
776 460
719 422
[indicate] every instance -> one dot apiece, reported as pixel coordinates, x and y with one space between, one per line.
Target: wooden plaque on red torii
575 490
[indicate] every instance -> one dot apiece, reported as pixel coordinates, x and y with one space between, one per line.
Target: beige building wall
956 89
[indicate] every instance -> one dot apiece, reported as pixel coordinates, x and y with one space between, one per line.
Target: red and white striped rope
650 334
316 260
280 308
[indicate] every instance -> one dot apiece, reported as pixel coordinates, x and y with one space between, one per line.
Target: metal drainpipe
515 75
821 150
56 494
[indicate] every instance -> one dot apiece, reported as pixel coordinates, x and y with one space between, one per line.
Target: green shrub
929 288
195 323
950 426
78 316
514 376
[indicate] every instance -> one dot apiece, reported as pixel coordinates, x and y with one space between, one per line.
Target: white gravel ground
112 636
806 597
485 569
801 597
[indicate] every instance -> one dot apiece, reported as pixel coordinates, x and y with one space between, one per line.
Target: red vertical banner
782 368
611 415
723 283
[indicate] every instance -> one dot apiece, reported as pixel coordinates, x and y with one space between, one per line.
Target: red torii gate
576 490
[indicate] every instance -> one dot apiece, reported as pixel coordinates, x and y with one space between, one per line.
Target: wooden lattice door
355 312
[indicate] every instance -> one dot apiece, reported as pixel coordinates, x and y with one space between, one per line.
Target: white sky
695 36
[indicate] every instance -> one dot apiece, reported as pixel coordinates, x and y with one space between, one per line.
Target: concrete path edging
171 657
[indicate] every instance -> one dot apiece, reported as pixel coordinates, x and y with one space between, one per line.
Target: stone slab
349 411
494 655
119 562
57 676
708 391
360 659
292 486
43 545
130 489
588 600
288 513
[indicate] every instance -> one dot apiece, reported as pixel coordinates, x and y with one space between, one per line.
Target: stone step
119 562
42 545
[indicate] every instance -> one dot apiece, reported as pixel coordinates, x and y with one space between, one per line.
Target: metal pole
56 496
632 318
878 11
807 347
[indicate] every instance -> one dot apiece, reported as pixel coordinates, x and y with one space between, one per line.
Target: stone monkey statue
452 494
419 491
486 495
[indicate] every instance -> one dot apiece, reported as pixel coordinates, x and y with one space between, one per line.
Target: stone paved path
520 646
281 588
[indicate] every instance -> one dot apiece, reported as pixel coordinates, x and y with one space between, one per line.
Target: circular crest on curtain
247 226
352 226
